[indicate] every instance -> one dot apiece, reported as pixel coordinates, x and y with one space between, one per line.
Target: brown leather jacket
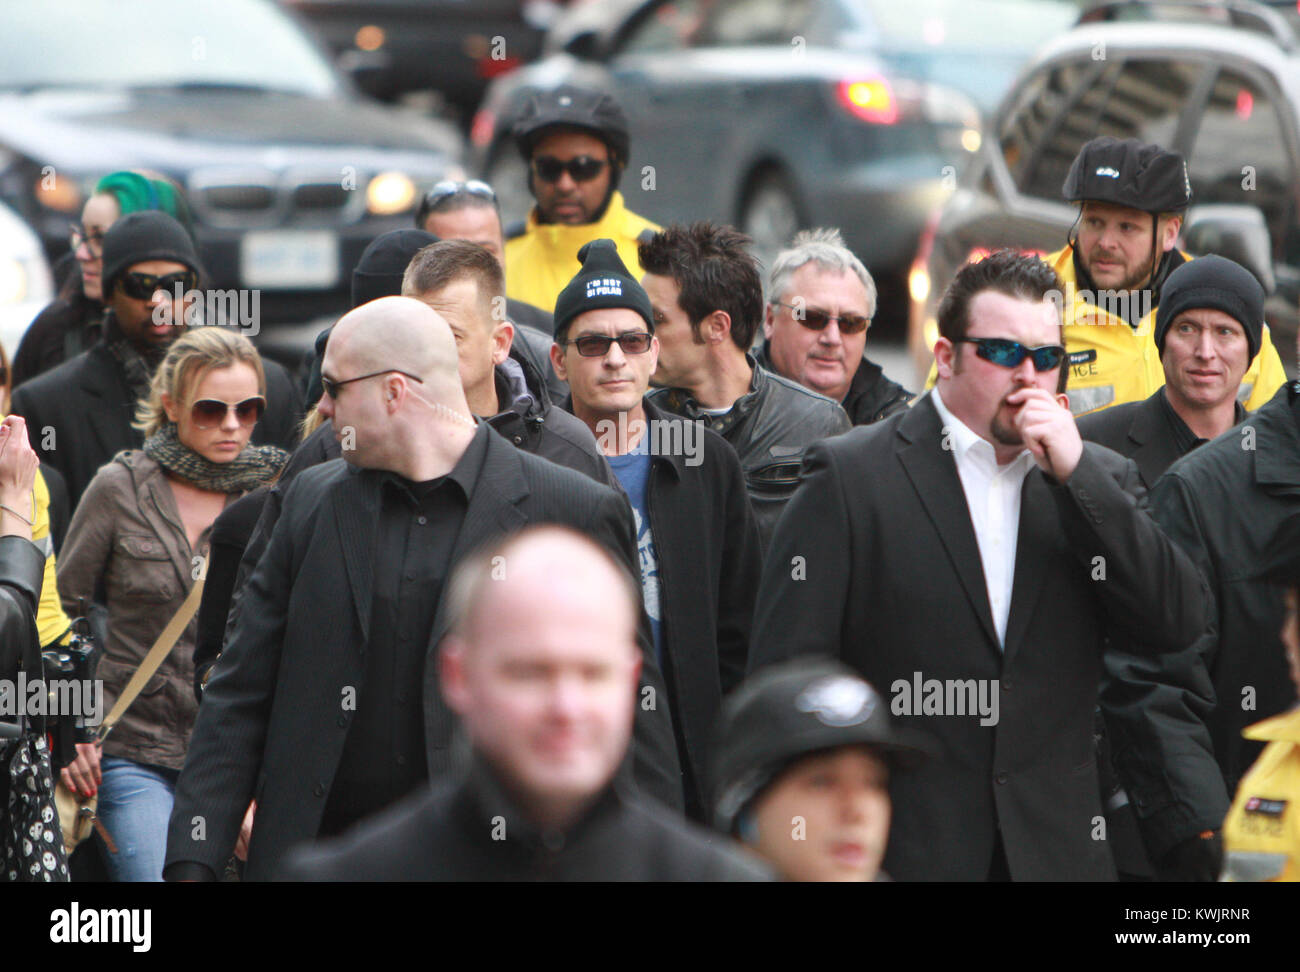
127 548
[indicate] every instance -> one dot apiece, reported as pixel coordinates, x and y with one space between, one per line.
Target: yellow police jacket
541 262
1261 834
1112 363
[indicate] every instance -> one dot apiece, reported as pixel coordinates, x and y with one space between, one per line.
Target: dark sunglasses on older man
1009 354
142 286
816 320
208 413
583 168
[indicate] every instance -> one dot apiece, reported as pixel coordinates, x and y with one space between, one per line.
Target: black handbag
31 839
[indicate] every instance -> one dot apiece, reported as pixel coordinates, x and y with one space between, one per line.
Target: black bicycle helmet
577 108
1129 173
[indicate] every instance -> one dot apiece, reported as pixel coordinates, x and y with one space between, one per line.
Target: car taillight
870 99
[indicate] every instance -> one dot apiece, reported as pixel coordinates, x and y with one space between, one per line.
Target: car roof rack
1240 13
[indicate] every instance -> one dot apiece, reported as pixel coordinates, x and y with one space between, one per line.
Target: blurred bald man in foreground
541 666
325 705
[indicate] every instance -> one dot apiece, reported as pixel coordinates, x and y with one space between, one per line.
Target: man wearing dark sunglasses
80 414
820 303
575 142
696 534
337 633
975 540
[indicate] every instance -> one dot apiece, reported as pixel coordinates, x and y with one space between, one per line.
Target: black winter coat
1154 707
1231 505
446 833
270 726
63 330
707 544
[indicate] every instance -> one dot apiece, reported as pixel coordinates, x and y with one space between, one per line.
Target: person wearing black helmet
803 755
576 144
1131 198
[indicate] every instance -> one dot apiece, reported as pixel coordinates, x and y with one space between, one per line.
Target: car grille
248 199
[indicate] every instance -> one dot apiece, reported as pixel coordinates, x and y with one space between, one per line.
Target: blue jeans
135 803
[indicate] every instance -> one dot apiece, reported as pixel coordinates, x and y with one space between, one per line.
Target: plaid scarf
137 368
248 470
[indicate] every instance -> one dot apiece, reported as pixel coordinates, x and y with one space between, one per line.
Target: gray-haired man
820 303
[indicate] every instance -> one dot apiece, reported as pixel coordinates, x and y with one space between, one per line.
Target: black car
289 173
454 47
780 115
1219 83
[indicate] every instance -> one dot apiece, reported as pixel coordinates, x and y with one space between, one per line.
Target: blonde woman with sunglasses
138 541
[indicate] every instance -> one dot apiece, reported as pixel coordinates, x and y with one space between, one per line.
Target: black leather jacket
22 568
769 427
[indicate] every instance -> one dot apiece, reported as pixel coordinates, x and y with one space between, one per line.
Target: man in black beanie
696 534
79 415
1208 330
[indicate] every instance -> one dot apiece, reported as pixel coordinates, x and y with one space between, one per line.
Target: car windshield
970 23
159 43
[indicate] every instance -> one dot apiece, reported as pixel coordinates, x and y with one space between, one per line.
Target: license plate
289 259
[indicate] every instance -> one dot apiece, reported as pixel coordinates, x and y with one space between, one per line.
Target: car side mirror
584 45
1234 231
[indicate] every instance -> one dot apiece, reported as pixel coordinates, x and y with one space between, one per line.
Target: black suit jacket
79 415
1137 430
875 560
273 721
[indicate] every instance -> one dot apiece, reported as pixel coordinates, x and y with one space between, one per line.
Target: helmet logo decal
838 701
1106 170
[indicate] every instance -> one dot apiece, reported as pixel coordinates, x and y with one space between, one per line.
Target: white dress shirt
993 500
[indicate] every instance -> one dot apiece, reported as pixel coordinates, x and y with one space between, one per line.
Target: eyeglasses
583 168
1009 354
208 413
142 286
816 320
332 387
597 345
77 235
450 187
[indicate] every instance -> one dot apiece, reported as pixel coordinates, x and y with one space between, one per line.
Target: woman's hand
82 775
18 464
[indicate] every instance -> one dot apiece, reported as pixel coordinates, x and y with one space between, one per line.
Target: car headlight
389 193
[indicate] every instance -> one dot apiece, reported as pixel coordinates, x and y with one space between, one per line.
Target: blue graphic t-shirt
633 472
